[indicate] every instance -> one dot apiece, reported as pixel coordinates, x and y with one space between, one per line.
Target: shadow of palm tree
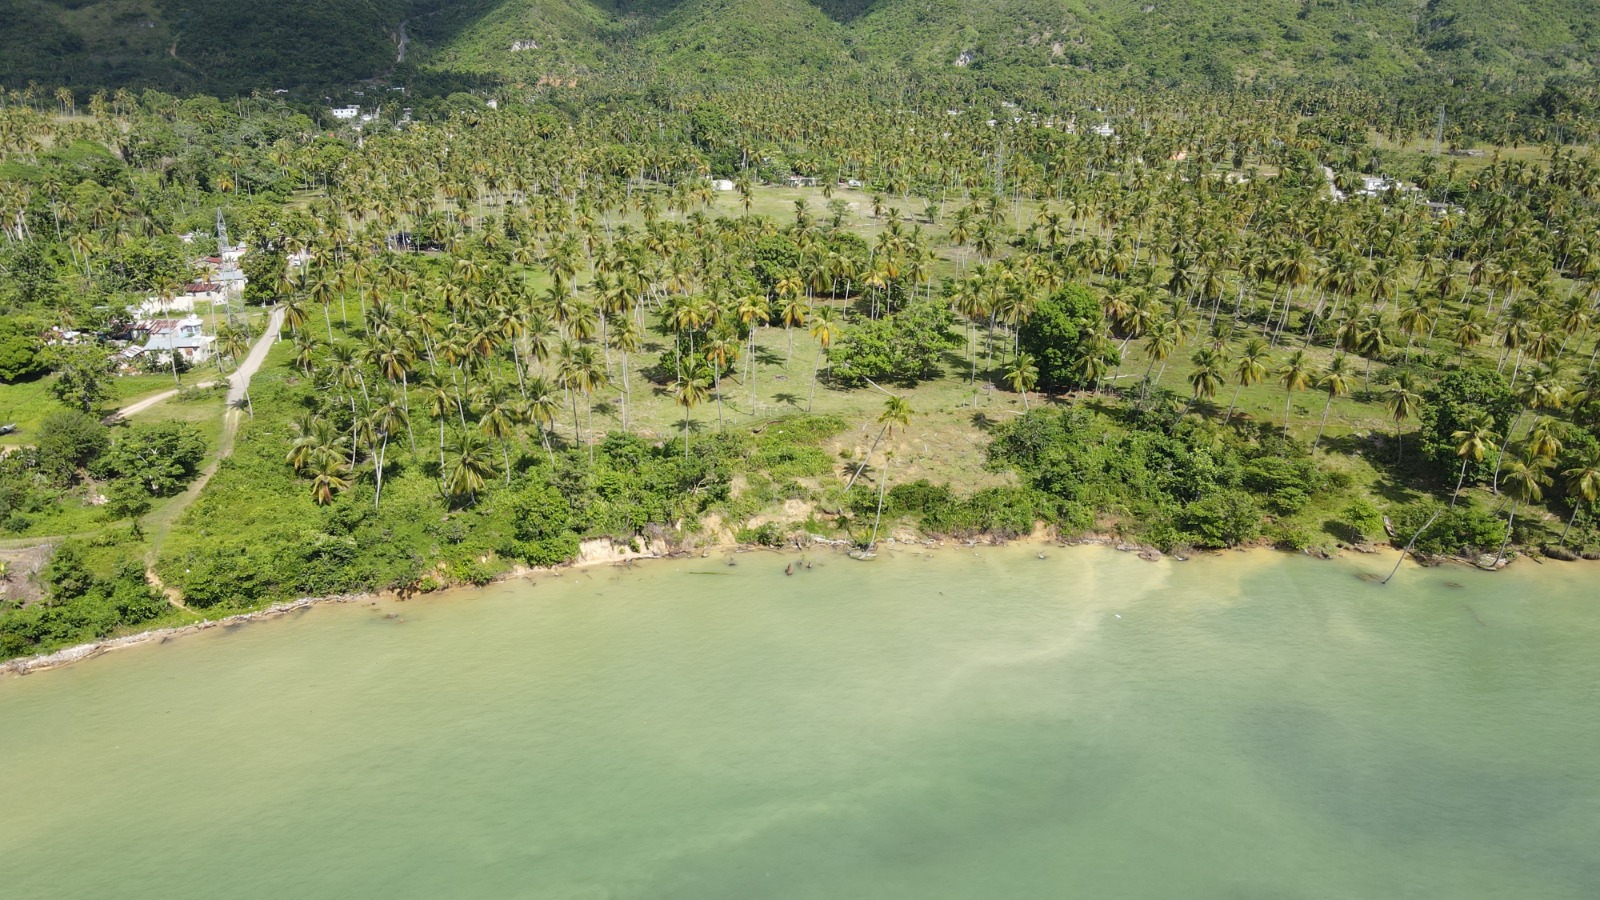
786 397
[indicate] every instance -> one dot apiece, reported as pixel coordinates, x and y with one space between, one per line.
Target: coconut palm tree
388 415
1523 483
471 464
1208 375
542 406
824 329
1250 368
1294 374
1335 381
1472 441
896 411
1402 401
1583 486
329 476
692 388
498 416
1022 375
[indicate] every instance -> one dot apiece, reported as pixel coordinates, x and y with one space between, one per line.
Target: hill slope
233 45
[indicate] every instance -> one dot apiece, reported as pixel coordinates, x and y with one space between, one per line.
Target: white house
155 306
345 112
722 184
183 336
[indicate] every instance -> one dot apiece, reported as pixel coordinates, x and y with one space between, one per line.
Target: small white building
185 337
721 184
157 306
345 112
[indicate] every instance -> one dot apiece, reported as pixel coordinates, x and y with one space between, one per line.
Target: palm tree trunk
1495 482
1234 402
377 494
864 459
1456 495
816 370
1510 523
883 486
1576 511
1320 428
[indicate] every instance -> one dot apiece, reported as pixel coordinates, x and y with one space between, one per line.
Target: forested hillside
233 46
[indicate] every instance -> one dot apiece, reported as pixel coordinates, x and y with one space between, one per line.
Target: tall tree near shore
1472 441
1583 487
1524 483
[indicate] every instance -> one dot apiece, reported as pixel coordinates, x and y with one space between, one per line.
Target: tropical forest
300 300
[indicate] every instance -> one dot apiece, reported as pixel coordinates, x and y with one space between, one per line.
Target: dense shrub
1462 530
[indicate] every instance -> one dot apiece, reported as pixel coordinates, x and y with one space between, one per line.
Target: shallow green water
954 725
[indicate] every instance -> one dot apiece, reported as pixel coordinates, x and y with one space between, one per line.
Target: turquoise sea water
950 724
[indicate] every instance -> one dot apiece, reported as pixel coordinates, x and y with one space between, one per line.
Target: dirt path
404 40
134 409
159 526
238 394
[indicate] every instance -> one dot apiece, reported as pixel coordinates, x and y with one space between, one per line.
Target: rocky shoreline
602 552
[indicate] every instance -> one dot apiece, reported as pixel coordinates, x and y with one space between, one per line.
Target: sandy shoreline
603 552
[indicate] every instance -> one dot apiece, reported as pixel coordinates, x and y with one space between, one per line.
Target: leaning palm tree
1473 439
1336 383
883 486
1523 482
896 411
1294 374
1402 401
1583 486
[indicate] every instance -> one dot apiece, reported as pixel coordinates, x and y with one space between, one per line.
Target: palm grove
506 330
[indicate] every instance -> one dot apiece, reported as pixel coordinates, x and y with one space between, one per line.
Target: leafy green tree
905 347
541 525
69 441
21 355
1063 329
127 498
1450 404
161 456
83 377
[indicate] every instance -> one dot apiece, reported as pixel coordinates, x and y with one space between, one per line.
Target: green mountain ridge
230 46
